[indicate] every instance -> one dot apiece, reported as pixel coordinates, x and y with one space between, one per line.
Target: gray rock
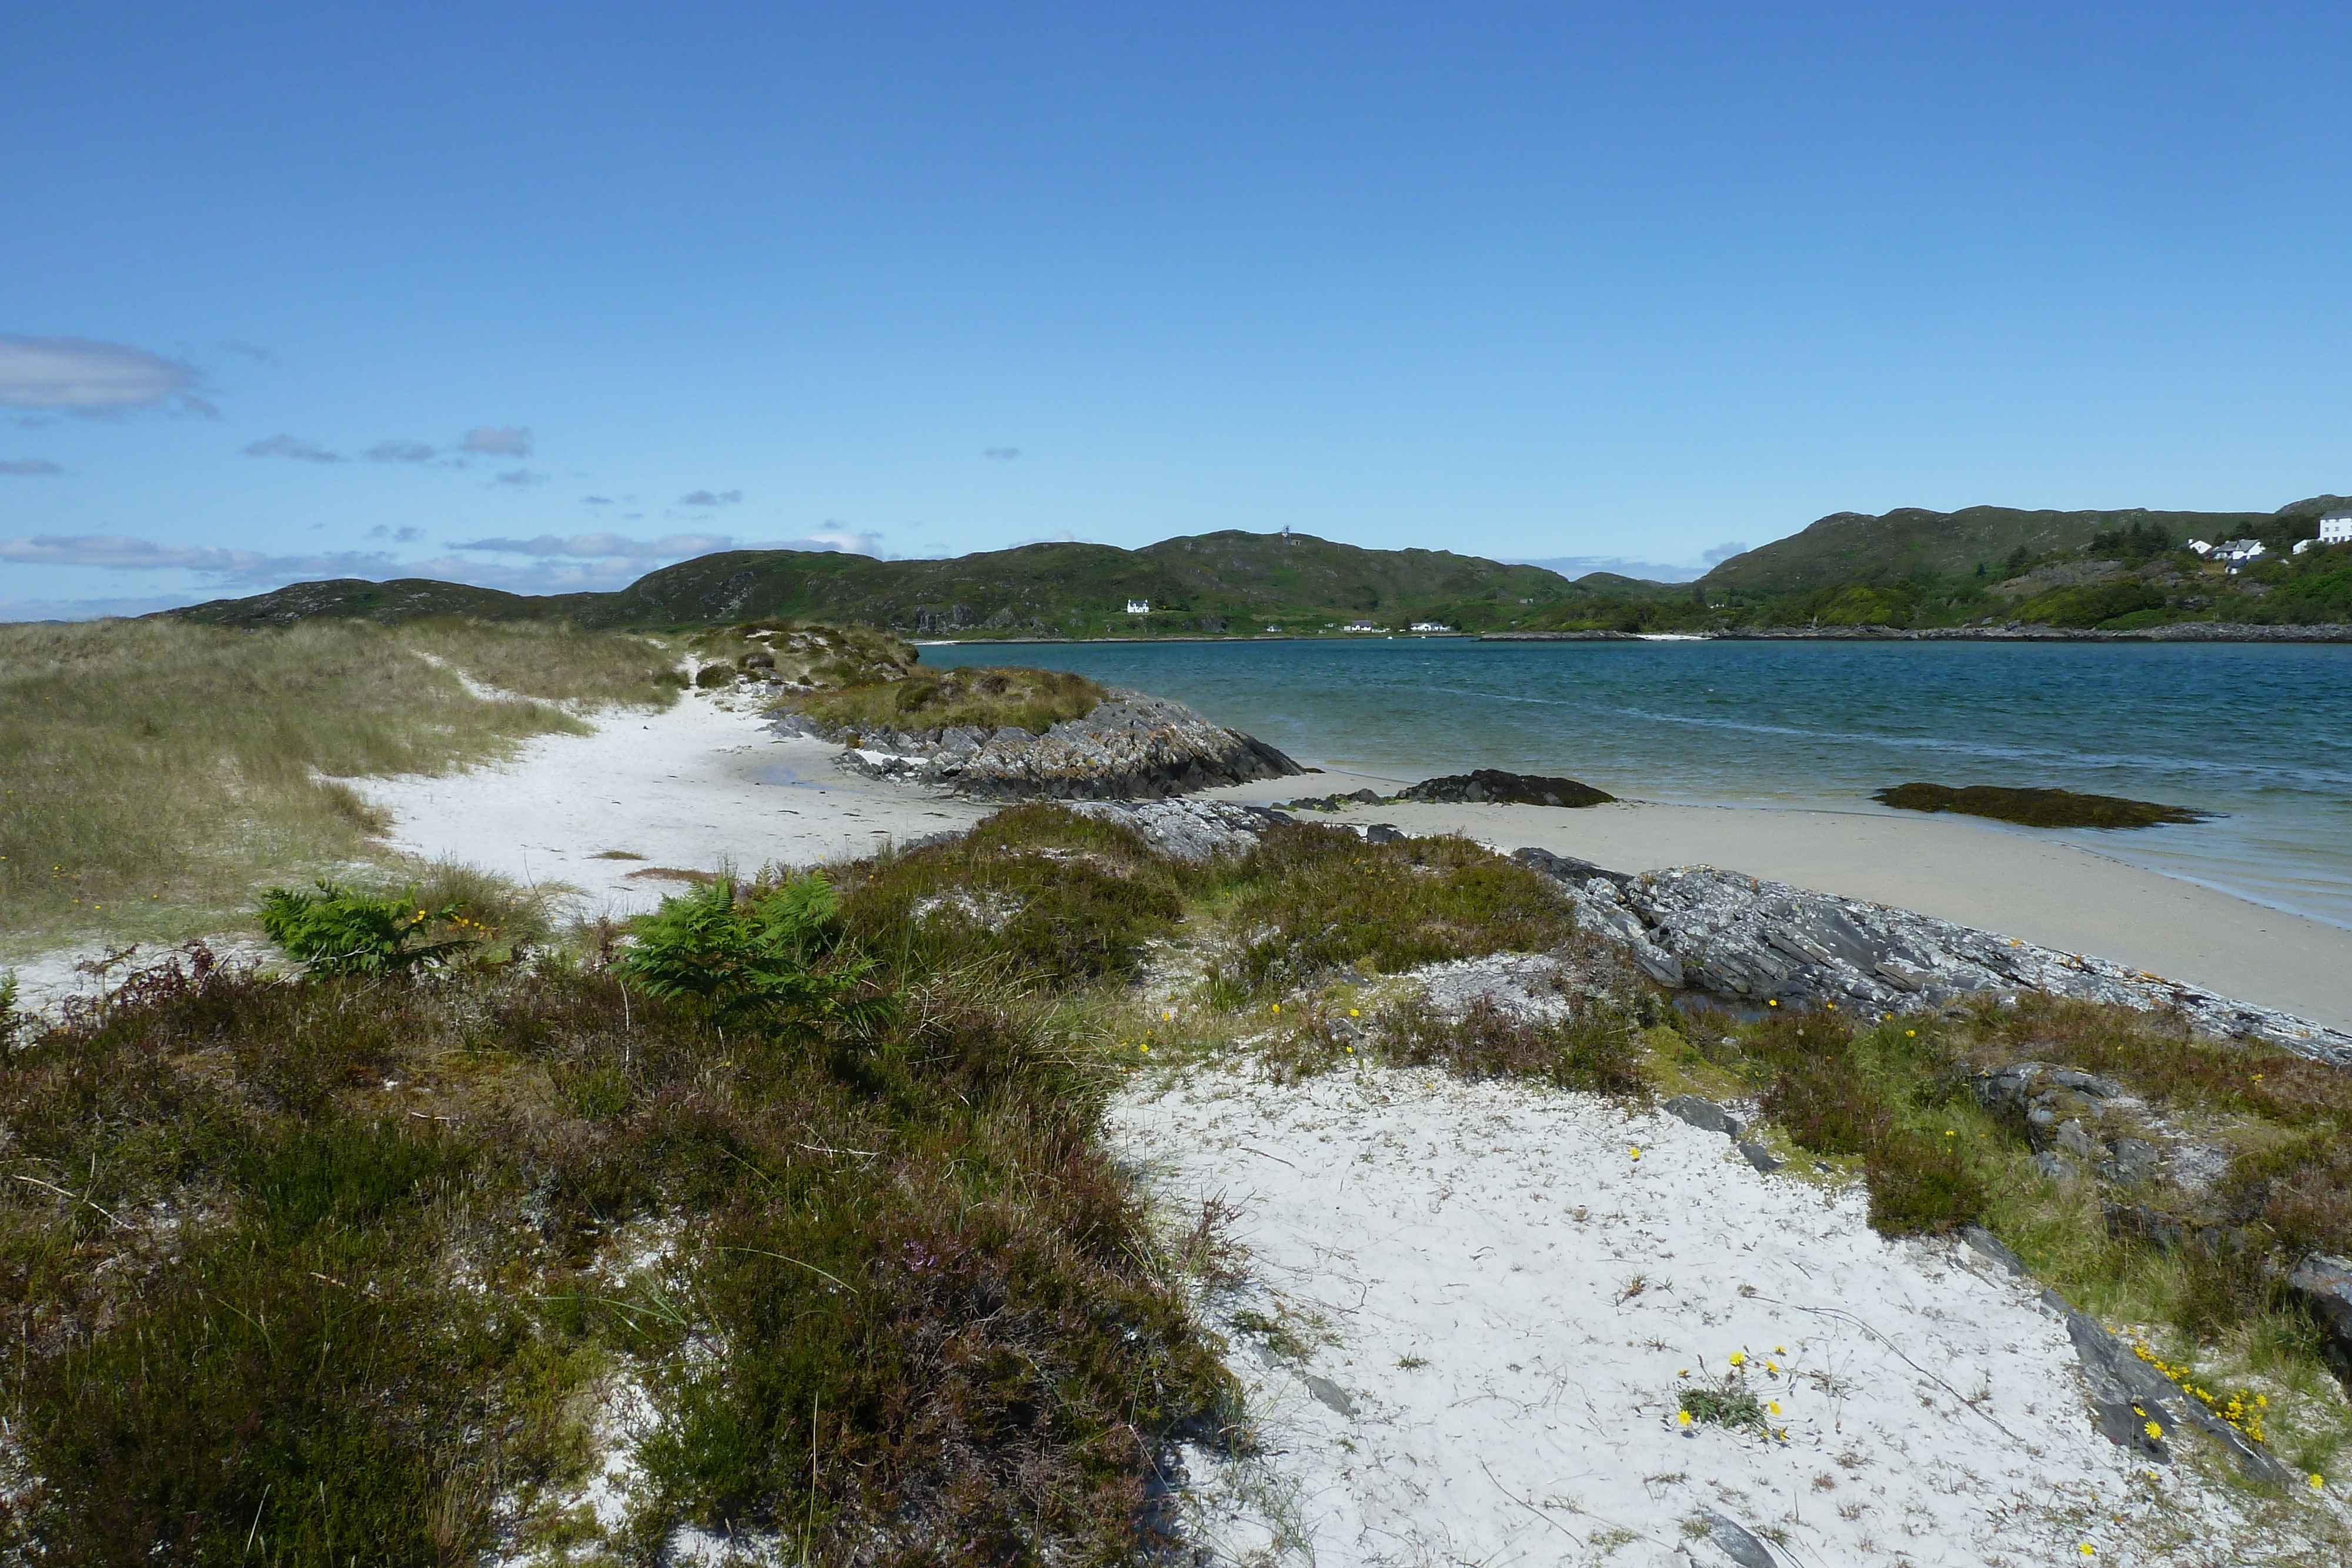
2072 1138
2090 1083
2323 1284
1186 829
1702 1114
1131 746
1734 1540
1994 1247
2126 1393
1741 937
1761 1158
2135 1160
1328 1392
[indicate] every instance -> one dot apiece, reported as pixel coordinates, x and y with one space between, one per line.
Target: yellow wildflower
1738 1358
2153 1429
1683 1418
1774 1408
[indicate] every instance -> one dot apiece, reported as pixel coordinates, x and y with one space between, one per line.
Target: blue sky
544 295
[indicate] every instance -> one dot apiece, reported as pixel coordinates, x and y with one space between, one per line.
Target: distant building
2200 546
2336 529
1360 626
1271 628
1138 606
1430 626
2238 552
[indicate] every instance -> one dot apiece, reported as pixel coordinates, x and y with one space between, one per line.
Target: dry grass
981 698
156 771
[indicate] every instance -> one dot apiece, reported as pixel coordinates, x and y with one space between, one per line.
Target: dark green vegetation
2124 569
981 697
2119 571
1314 899
2036 807
1901 1101
1211 583
153 772
333 931
301 1271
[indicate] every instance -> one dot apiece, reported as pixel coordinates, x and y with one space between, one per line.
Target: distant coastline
2178 632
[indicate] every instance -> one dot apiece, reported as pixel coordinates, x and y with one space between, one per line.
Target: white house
1360 626
2336 529
1138 606
1430 626
2201 546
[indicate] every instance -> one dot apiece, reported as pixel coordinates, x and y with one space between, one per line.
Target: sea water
2259 732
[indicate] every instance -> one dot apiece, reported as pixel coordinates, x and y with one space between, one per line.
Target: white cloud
497 439
122 553
30 466
1716 554
294 446
400 452
710 498
90 377
608 547
86 609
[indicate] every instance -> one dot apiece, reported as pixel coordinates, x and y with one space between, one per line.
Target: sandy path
702 784
2057 895
1498 1302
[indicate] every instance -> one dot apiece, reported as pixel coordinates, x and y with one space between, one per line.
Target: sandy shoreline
706 783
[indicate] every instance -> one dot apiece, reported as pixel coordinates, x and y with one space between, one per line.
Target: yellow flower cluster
2239 1410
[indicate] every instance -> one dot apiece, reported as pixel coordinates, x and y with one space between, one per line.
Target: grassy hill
1209 583
1909 542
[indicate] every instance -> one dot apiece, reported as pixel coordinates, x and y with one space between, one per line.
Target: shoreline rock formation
1131 746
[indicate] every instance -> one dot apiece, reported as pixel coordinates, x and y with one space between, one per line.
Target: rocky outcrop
1188 830
1131 746
2323 1284
1741 938
1494 787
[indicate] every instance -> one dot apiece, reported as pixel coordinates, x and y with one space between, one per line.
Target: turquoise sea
2262 734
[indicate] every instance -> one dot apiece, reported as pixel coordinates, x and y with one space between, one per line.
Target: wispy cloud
86 376
29 466
595 500
710 498
402 536
1003 454
400 452
294 446
497 441
609 546
250 350
1715 555
521 478
126 553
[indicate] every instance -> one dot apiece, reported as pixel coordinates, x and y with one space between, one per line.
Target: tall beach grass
153 771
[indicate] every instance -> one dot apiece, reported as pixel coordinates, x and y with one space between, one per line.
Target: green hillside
1229 581
1909 542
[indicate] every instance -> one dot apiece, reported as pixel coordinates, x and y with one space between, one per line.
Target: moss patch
2036 807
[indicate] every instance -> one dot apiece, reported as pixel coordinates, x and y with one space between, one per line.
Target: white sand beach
2057 894
1498 1302
700 785
706 783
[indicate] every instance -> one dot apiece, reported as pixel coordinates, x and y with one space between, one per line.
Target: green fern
337 932
783 951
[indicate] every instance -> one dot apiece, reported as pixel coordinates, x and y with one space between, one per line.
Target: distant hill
1853 547
1210 582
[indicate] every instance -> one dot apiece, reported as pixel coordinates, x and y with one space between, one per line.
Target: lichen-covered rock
1188 830
1132 748
2323 1284
1492 785
1757 941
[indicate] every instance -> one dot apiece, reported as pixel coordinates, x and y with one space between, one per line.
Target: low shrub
1039 892
978 696
1310 899
333 931
781 950
1595 1048
305 1270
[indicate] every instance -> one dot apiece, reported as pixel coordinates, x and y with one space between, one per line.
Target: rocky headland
1131 746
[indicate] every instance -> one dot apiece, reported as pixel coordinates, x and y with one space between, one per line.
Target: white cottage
2336 529
1138 606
